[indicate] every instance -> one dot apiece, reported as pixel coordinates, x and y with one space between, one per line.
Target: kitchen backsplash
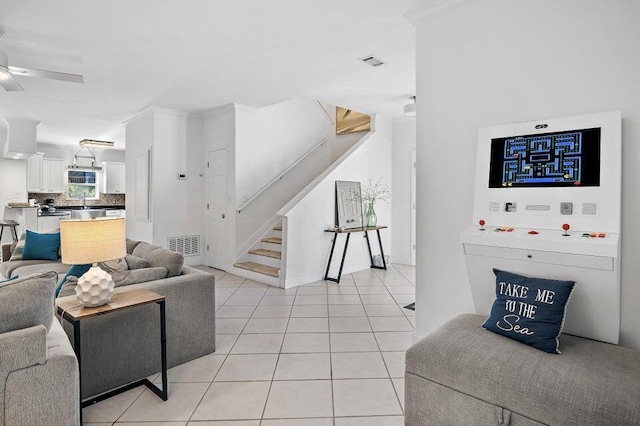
60 200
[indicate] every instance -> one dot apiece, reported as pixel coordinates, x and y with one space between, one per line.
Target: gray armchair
39 381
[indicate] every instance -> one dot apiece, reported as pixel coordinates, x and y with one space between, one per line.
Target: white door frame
413 208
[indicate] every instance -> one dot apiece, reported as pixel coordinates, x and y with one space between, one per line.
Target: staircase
264 258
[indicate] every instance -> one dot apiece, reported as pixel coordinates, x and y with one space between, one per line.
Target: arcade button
533 232
602 235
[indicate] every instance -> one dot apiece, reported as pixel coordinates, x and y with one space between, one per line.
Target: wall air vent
372 60
186 246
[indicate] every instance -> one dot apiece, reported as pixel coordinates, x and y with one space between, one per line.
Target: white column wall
499 62
404 142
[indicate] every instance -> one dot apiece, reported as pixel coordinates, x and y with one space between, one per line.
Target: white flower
375 191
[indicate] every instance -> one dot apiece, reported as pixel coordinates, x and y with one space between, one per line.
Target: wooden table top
344 231
122 298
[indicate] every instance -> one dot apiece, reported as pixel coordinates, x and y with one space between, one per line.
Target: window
82 184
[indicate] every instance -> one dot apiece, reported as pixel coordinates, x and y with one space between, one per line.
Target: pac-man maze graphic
543 159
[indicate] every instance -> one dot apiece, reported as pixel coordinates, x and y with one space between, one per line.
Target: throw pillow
68 287
75 271
27 301
158 256
16 253
41 246
115 265
529 310
135 262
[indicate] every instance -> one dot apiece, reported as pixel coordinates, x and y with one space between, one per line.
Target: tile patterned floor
323 354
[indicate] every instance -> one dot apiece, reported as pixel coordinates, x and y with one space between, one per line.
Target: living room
477 64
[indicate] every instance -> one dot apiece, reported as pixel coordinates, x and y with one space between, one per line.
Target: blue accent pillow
529 310
74 271
41 246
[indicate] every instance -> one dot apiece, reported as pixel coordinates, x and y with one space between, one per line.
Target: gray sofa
38 368
123 347
463 374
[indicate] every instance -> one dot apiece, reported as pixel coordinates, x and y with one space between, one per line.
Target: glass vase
370 218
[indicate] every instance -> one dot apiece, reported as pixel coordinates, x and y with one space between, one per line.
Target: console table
346 244
70 310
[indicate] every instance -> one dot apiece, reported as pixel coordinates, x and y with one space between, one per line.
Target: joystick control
566 228
482 222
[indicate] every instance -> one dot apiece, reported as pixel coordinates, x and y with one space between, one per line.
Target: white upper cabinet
114 178
45 174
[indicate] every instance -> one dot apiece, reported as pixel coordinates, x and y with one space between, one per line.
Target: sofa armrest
6 251
22 348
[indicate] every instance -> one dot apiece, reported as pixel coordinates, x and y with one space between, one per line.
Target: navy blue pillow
74 271
41 246
529 310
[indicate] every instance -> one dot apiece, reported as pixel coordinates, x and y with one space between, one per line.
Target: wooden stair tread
277 228
267 253
272 240
259 268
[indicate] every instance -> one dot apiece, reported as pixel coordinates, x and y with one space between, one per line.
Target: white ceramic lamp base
95 287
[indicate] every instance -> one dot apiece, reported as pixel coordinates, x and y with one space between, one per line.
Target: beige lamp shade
92 240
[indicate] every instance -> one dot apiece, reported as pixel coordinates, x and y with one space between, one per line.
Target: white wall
270 139
177 206
500 62
404 142
307 246
13 175
139 135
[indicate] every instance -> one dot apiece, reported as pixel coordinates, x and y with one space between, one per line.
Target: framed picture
349 121
348 205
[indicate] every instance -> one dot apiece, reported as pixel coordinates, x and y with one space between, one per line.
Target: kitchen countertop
92 207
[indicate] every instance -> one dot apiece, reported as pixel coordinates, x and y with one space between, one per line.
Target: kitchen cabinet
113 181
45 174
34 173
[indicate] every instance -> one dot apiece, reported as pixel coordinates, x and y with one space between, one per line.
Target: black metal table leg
366 237
384 262
77 350
163 342
333 246
344 254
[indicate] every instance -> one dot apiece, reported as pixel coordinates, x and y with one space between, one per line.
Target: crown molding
435 9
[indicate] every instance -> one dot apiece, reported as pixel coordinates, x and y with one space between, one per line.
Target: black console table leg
333 246
384 262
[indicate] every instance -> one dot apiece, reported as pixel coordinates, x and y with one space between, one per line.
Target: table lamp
93 240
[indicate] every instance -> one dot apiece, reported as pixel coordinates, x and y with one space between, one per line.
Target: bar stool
11 224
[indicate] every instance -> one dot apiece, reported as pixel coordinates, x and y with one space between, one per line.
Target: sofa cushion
39 267
529 310
10 268
41 246
131 244
158 256
591 383
68 287
115 265
135 262
136 276
27 301
16 251
76 271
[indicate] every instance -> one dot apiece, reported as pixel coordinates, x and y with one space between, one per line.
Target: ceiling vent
372 60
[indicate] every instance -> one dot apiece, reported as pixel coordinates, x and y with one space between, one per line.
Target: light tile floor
323 354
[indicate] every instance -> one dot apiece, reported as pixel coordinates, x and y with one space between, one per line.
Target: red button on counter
533 232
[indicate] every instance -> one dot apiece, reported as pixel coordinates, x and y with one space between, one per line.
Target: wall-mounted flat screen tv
568 158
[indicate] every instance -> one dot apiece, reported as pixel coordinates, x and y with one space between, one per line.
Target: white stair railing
281 174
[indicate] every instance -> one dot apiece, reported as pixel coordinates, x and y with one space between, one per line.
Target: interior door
413 207
216 208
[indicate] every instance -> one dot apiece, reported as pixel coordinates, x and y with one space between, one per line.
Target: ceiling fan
9 83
